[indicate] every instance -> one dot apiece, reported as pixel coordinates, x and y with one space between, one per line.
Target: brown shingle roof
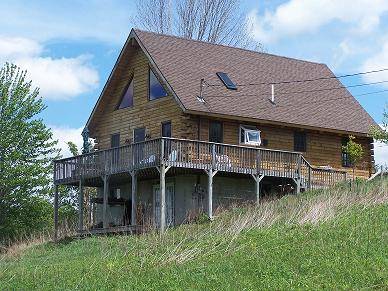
184 62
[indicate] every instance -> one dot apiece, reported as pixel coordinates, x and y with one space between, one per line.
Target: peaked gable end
122 78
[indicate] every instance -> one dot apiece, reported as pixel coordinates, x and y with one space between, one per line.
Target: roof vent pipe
273 93
201 87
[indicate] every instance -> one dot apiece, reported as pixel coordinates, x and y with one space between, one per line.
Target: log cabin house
184 125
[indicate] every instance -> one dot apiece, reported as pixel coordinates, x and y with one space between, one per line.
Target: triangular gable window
127 99
156 89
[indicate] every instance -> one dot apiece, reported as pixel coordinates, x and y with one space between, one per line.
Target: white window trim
247 129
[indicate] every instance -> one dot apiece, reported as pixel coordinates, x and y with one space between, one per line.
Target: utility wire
304 80
310 101
308 91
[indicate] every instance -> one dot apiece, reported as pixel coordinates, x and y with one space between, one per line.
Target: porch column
297 182
210 174
162 187
90 214
298 186
105 202
81 206
134 198
257 179
56 213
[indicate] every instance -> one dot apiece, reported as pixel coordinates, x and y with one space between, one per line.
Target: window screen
300 144
250 135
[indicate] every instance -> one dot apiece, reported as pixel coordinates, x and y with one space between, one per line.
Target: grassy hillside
333 239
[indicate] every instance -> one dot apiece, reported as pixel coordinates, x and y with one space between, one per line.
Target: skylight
226 80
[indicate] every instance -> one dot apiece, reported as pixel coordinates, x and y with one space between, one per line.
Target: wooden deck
193 154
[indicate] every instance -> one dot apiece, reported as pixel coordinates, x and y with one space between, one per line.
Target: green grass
335 239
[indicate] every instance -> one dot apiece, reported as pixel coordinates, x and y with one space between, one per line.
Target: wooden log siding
192 154
323 148
143 114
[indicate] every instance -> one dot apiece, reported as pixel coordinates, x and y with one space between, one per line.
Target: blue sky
69 47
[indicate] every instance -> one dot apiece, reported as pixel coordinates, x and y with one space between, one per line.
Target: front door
169 204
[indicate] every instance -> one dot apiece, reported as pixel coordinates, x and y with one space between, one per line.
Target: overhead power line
305 80
306 91
270 105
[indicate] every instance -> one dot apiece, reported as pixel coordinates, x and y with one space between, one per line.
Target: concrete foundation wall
190 196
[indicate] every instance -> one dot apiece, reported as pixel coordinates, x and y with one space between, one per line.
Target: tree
26 155
354 151
215 21
381 133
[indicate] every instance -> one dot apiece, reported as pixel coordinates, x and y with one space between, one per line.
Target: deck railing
194 154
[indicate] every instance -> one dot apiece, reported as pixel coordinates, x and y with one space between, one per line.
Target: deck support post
162 189
257 179
297 182
162 186
298 186
134 197
210 174
90 214
56 213
81 206
105 202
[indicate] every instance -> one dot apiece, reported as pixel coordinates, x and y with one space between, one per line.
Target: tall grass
329 238
220 235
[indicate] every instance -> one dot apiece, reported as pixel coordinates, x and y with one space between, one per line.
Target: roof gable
121 70
185 62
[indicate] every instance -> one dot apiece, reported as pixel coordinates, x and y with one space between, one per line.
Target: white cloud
66 134
13 47
101 20
299 16
381 153
376 62
57 78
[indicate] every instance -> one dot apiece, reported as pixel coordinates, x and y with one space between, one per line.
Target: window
139 134
226 80
156 89
345 156
216 132
114 144
127 99
250 135
115 140
300 144
166 129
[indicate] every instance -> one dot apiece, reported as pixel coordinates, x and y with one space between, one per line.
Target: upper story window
216 132
156 89
166 129
300 143
249 135
127 98
115 140
139 134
